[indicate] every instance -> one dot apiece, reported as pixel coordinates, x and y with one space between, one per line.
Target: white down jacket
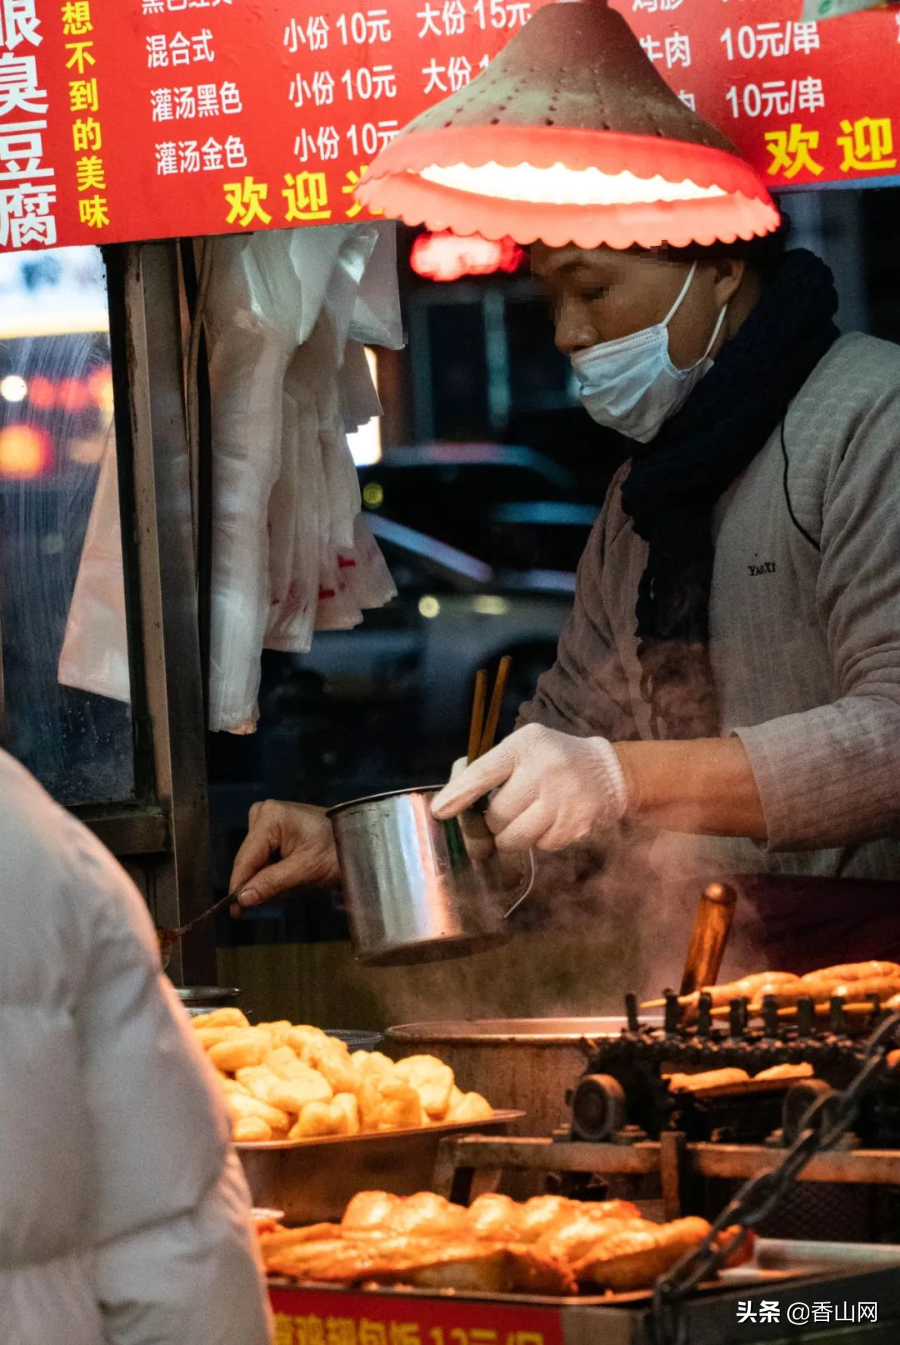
124 1217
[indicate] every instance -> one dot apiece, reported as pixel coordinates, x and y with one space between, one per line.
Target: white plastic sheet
286 316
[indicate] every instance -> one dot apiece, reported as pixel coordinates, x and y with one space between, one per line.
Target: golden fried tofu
335 1064
431 1079
248 1047
211 1036
401 1106
290 1095
278 1031
372 1064
250 1130
347 1105
243 1107
472 1108
319 1119
307 1042
221 1018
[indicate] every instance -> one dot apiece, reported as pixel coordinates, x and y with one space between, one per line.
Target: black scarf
675 481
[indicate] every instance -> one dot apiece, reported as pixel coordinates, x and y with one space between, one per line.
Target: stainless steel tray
313 1180
783 1272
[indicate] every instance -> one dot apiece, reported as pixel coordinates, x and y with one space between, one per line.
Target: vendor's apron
802 923
781 923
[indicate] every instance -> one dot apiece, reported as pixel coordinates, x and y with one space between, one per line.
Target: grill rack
623 1095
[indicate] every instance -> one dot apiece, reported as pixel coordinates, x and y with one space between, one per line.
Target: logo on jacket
766 567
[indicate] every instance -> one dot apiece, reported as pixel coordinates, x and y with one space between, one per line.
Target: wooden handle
476 724
712 926
496 705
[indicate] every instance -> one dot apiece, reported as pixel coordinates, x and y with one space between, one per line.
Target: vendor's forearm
704 786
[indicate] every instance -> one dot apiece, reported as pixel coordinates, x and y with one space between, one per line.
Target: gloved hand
553 790
297 832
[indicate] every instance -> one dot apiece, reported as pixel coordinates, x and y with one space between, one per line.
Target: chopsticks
483 731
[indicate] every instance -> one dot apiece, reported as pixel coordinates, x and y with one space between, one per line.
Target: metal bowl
356 1040
527 1064
314 1180
199 999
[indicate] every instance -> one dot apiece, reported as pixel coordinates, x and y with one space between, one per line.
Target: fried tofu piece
432 1080
221 1018
347 1106
369 1101
473 1107
231 1086
278 1031
319 1120
245 1048
307 1042
335 1065
211 1036
401 1106
291 1094
250 1130
241 1108
372 1064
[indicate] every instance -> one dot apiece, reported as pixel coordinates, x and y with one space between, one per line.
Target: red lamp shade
570 136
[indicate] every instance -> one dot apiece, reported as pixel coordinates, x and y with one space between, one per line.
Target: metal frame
675 1160
167 828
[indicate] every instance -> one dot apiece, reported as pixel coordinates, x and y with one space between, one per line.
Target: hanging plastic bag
94 653
377 320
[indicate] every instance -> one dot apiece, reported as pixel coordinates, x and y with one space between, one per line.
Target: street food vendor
726 693
731 669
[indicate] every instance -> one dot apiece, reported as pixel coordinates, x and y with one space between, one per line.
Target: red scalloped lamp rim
645 156
716 219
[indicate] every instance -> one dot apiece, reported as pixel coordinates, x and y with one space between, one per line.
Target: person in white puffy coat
124 1216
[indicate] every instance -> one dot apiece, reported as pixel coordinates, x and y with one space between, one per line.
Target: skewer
476 724
493 716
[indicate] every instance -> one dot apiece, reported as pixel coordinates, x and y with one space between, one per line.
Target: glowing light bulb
559 185
24 452
13 388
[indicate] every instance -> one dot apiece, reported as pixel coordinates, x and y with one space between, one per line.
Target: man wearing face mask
727 689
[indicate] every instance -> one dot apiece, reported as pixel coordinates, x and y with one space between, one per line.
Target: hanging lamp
570 136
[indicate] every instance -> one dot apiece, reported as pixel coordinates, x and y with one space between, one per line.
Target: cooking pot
525 1064
416 889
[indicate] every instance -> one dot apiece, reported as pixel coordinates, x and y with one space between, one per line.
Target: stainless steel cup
420 890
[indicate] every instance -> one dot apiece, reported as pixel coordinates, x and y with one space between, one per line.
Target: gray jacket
804 630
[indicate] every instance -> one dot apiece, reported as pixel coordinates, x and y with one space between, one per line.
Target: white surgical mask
631 384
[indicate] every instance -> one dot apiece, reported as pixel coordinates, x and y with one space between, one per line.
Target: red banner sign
128 119
308 1317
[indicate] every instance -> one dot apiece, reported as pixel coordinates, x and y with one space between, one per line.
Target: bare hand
297 832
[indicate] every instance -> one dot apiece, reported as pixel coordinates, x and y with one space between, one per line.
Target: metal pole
163 532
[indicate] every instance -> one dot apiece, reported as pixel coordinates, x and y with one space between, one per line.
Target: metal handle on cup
528 885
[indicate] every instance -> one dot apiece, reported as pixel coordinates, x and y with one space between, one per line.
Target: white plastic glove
553 790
